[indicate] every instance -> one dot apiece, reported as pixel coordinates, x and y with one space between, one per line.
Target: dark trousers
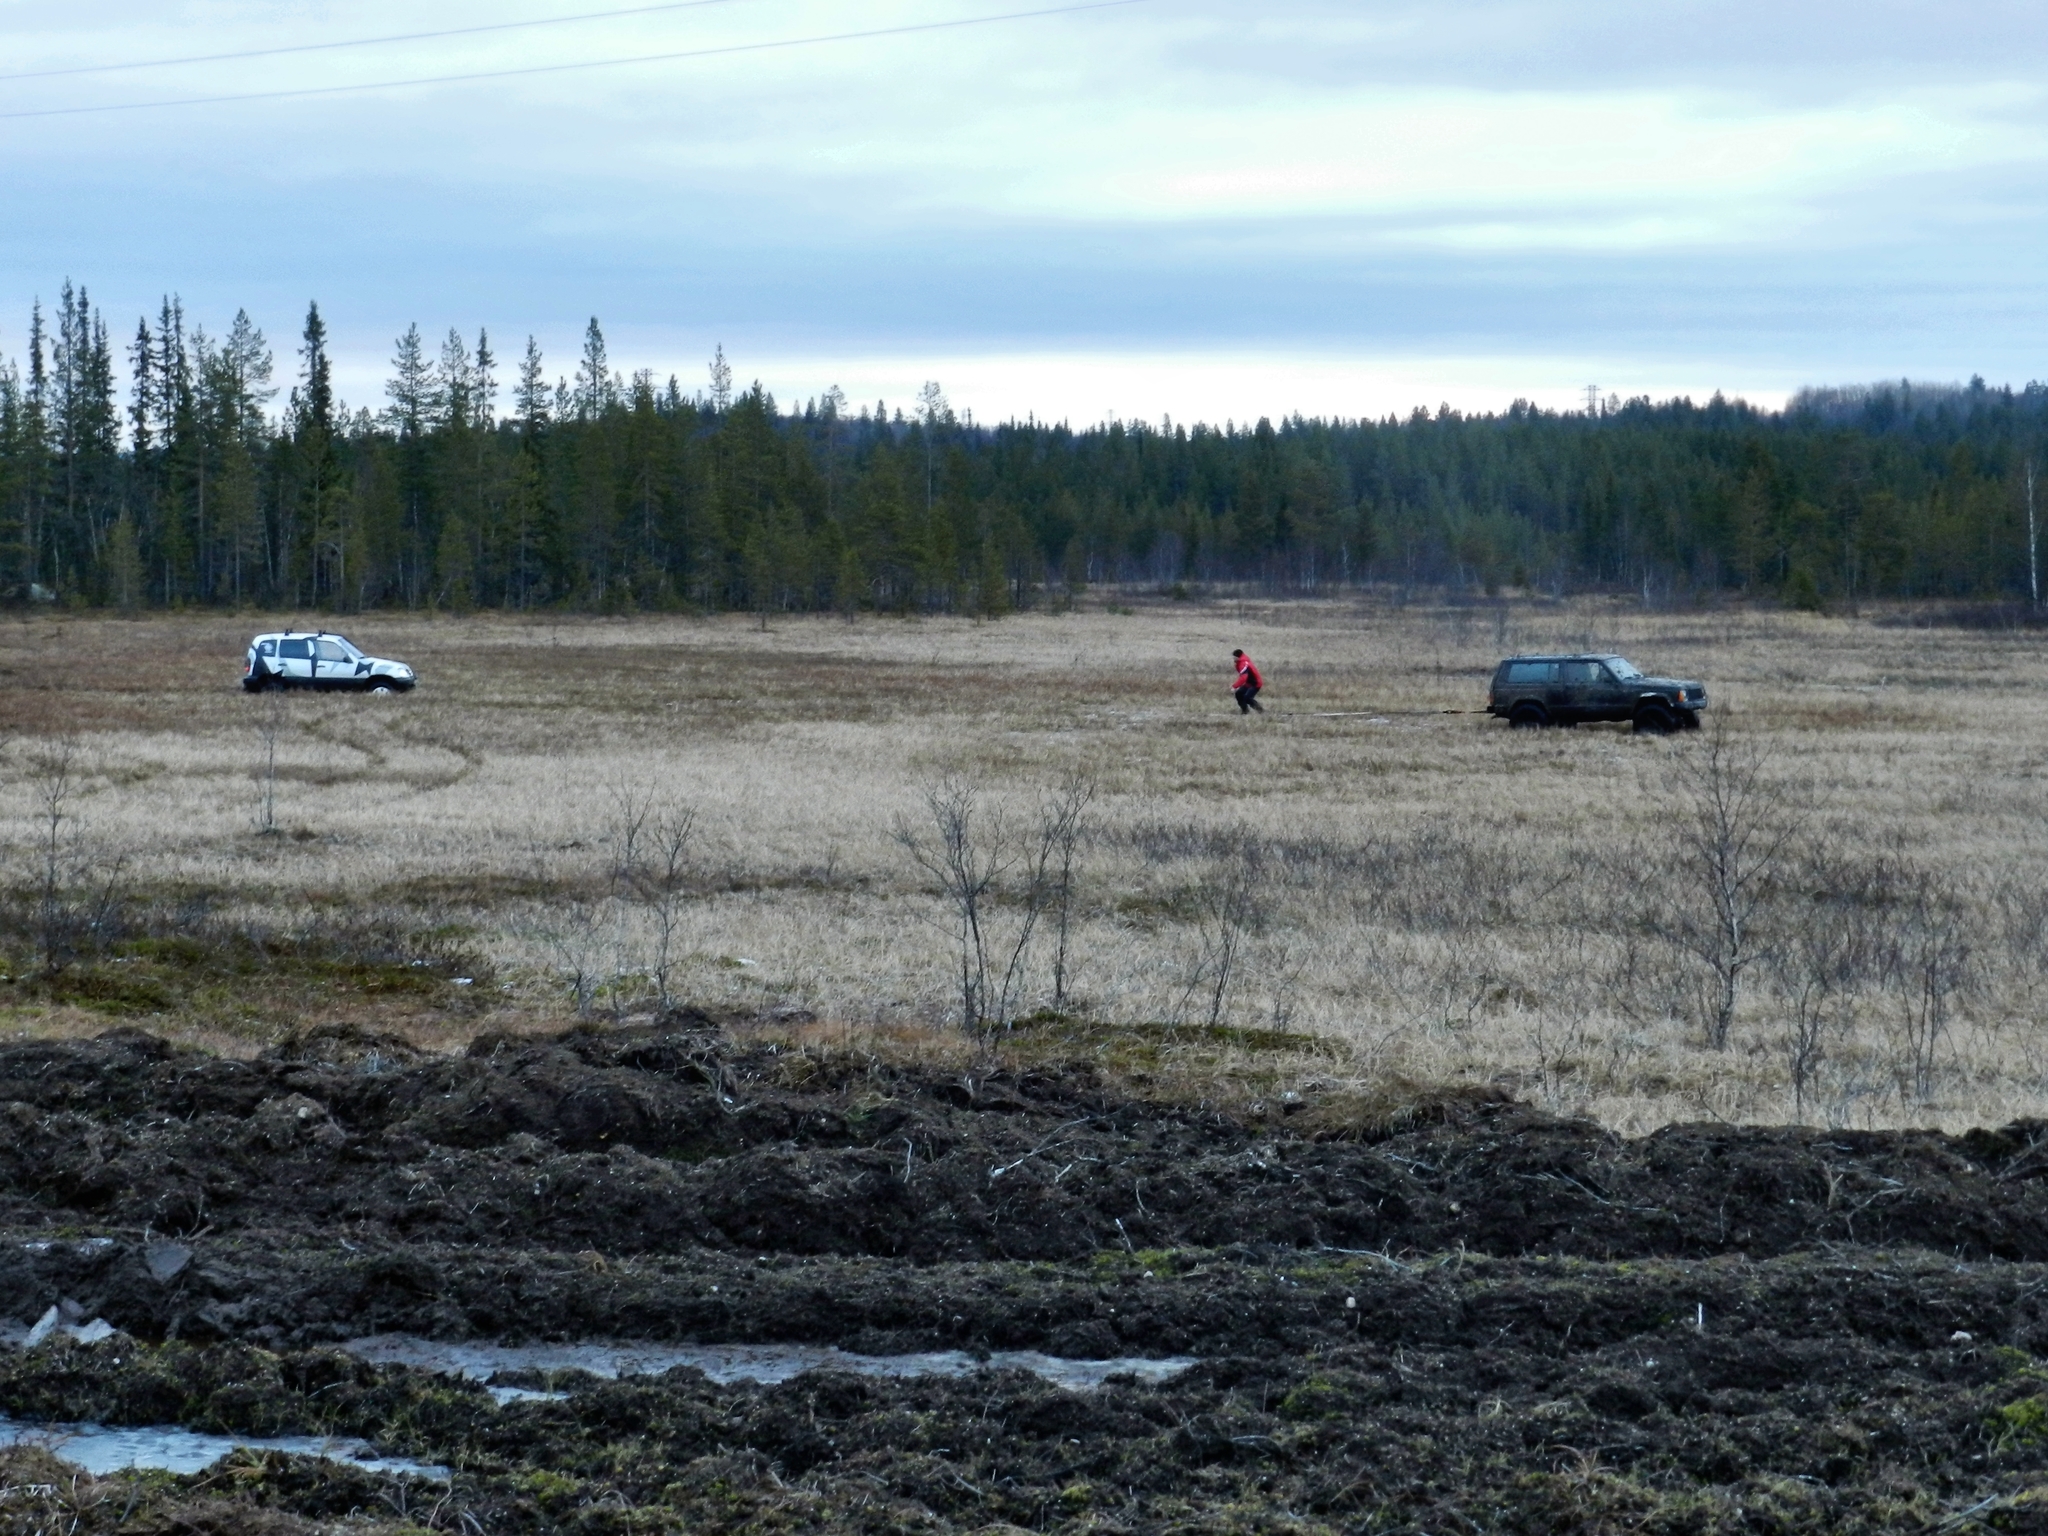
1248 699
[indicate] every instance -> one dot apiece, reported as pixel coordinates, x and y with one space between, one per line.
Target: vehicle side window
1531 671
1582 674
267 648
329 651
1610 676
295 650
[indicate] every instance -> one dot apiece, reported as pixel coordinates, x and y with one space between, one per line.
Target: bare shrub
612 932
1925 966
1062 821
662 892
267 732
982 863
1815 972
1234 909
582 946
77 885
1735 826
966 850
651 841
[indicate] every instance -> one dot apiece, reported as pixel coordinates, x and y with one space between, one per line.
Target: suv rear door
295 659
1529 681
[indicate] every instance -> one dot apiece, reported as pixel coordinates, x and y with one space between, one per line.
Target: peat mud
650 1141
1480 1319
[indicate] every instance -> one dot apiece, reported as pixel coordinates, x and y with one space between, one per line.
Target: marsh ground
1432 1181
1429 895
1469 1316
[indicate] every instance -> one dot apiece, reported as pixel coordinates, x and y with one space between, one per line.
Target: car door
1530 682
295 660
334 663
1611 697
1573 698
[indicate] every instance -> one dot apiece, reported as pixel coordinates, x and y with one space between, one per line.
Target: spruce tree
594 390
313 547
483 384
530 394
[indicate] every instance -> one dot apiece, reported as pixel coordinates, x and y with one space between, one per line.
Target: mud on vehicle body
1564 690
320 660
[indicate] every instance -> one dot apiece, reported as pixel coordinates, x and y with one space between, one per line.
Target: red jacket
1247 674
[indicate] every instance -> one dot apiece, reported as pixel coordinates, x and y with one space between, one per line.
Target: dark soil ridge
284 1292
657 1140
1706 1330
1535 1408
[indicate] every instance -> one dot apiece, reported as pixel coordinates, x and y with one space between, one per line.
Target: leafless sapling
1234 910
1815 970
660 883
1926 965
649 840
77 892
1735 826
1062 822
963 844
267 733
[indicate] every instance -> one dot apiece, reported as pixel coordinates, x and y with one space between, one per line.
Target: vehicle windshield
1622 669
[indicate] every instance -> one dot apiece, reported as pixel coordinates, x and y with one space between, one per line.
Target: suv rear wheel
1527 717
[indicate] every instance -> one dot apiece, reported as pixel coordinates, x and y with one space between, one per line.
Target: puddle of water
81 1244
503 1395
100 1450
726 1363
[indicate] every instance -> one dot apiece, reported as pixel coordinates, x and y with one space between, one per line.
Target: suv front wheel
1654 720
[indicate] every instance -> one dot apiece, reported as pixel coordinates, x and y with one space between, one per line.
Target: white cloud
1181 179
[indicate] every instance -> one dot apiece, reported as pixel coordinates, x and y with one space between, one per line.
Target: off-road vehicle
298 659
1563 690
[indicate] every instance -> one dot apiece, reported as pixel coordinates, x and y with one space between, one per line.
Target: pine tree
721 382
595 392
483 384
314 546
172 526
530 395
232 386
454 384
142 411
412 389
33 436
124 565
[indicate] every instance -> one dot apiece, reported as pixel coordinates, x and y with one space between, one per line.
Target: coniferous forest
182 468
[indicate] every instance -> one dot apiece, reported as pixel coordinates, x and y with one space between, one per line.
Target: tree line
216 483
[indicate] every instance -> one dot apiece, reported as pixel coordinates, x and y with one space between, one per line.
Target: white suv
320 660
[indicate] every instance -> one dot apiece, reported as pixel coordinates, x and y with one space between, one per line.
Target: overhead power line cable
557 69
364 42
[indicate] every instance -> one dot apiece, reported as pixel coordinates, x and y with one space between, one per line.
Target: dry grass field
1372 866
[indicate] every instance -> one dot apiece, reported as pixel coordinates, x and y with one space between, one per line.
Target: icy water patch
100 1450
727 1363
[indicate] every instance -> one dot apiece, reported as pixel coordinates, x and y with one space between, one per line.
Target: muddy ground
1468 1317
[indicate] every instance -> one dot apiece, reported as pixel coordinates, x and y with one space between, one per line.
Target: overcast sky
1202 208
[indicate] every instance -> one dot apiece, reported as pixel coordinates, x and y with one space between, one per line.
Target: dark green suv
1563 690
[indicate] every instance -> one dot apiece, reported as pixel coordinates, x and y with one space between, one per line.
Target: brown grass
1442 900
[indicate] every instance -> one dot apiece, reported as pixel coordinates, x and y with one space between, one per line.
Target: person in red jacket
1246 684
